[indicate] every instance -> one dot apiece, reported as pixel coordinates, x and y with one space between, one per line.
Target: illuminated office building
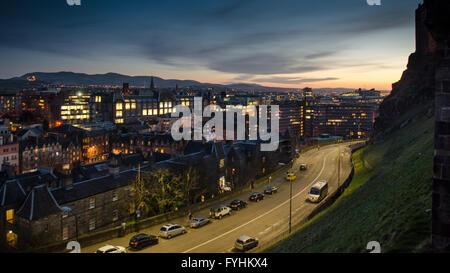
76 108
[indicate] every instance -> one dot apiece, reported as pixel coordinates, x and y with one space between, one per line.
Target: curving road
267 220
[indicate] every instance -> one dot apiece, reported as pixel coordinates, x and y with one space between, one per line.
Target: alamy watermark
374 246
73 2
213 129
374 2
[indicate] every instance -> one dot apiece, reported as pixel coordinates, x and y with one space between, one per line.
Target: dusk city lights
225 135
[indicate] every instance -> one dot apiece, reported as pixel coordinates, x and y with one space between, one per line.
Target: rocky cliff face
417 83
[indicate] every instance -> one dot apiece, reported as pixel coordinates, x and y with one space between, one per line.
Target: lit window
118 113
65 233
92 224
115 215
115 196
118 106
10 216
92 203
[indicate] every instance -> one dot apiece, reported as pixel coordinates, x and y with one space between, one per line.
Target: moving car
246 242
303 167
111 249
271 190
219 211
238 204
290 176
170 230
256 197
199 222
142 240
318 192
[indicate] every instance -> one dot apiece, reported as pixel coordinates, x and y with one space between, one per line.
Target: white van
318 192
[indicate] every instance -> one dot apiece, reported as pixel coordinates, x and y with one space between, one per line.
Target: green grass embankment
388 200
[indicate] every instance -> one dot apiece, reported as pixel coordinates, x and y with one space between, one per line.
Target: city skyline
217 42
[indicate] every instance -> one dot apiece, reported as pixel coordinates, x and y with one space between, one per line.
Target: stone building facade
437 21
44 207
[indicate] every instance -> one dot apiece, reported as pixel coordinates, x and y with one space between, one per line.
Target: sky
288 43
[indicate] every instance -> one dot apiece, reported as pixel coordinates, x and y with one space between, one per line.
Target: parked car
142 240
111 249
219 211
303 167
199 222
271 190
246 242
238 204
170 230
256 197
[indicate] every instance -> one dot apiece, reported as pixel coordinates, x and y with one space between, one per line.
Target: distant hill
115 79
71 78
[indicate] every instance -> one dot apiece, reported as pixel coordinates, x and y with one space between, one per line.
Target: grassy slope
388 200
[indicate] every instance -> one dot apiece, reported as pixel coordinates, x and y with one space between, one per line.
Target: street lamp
70 211
339 166
290 205
291 178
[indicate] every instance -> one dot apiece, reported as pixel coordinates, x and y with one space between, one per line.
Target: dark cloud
263 64
320 55
229 9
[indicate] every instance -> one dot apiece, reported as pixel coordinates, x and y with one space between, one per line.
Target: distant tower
152 84
308 93
425 43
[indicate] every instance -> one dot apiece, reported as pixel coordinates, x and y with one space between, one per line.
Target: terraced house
45 207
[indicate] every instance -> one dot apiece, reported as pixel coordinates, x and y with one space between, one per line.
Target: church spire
152 84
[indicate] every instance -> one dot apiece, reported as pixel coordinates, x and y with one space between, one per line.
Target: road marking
265 231
262 215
